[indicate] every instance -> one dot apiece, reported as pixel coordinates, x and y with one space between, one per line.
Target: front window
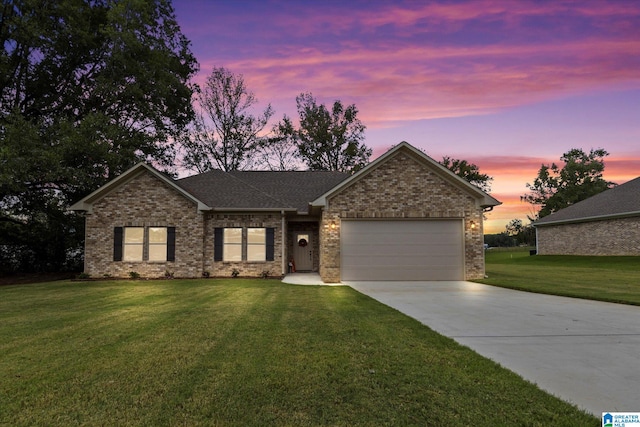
232 250
256 244
133 243
158 244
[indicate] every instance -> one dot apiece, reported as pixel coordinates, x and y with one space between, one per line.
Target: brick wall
401 187
244 268
144 201
610 237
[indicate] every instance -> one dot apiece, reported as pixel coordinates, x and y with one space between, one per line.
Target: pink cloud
410 73
439 16
421 82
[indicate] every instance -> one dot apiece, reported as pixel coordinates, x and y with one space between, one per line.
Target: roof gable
485 199
86 203
620 201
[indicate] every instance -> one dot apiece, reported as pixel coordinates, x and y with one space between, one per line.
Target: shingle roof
623 200
260 189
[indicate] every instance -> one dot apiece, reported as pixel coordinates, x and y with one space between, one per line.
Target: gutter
589 219
252 210
282 244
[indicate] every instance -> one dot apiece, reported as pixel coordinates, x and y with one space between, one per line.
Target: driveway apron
585 352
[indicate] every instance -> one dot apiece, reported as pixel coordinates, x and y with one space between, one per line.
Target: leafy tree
280 153
557 187
87 89
524 234
514 227
330 140
225 134
469 172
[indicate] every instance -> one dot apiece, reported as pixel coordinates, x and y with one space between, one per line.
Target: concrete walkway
306 279
585 352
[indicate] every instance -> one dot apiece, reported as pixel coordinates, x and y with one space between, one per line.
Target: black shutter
217 244
171 243
117 243
271 232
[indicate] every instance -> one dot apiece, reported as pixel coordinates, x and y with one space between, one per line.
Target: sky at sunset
507 85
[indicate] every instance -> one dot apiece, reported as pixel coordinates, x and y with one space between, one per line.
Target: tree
499 240
330 140
469 172
524 234
556 188
514 227
280 152
225 134
87 89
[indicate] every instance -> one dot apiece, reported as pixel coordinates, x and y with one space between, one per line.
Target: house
402 217
605 224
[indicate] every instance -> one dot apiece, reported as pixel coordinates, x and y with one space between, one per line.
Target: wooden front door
303 252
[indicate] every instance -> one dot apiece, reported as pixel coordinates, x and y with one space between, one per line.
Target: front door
302 252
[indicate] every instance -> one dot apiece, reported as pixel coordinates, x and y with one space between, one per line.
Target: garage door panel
402 250
403 260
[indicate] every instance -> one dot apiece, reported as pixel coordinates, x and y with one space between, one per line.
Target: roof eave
489 201
229 209
589 219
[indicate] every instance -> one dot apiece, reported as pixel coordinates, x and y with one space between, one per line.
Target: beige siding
402 250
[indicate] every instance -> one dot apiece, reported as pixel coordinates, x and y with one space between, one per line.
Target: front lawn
243 353
604 278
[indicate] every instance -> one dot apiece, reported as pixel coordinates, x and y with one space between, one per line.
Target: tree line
90 88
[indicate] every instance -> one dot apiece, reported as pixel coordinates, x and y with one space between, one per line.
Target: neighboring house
403 217
605 224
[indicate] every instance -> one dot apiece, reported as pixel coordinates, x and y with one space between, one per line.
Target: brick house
402 217
605 224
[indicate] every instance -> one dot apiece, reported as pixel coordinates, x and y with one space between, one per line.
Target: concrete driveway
585 352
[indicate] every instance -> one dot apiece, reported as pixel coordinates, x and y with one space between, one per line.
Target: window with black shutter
271 244
217 244
117 243
171 243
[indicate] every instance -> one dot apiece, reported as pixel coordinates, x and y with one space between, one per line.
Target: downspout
83 214
282 244
204 243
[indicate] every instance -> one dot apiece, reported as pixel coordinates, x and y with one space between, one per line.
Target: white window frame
157 248
131 242
256 244
231 248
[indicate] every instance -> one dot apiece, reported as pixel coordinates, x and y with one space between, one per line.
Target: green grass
243 353
603 278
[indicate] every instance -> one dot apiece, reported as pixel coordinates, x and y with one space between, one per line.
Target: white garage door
402 250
